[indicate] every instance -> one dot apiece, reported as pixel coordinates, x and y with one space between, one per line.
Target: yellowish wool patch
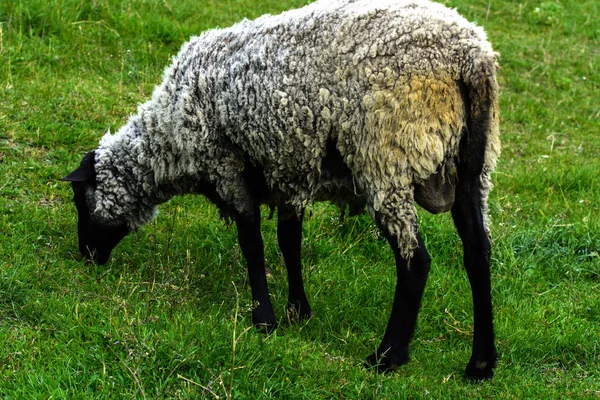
413 123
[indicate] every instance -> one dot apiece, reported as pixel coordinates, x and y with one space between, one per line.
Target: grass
163 318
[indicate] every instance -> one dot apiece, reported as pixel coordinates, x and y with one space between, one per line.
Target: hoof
297 312
264 320
386 361
479 370
265 327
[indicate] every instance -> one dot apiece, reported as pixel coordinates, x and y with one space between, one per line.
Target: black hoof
386 361
297 312
481 370
266 327
264 320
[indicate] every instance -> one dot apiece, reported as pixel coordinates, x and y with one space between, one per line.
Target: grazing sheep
383 103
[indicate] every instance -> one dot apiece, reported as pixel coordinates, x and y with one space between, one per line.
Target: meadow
169 315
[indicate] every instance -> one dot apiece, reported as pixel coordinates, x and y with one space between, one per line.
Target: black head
96 240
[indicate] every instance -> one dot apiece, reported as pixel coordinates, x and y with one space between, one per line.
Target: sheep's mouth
95 256
96 241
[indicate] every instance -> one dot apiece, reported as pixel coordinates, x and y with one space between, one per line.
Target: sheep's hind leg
469 223
289 236
411 279
251 243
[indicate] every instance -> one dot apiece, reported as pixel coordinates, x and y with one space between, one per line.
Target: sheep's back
379 78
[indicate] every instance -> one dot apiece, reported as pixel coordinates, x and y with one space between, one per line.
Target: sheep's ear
85 172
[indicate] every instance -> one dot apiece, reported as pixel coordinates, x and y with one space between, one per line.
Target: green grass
160 319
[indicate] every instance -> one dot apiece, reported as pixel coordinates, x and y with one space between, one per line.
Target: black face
96 240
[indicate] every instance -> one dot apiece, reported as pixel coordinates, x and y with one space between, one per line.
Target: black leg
411 279
469 223
289 236
251 243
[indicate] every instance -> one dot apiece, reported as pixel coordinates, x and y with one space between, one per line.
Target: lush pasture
168 316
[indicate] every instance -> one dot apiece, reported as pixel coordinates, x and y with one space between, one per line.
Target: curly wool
379 78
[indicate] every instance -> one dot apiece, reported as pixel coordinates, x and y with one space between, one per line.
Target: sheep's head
96 239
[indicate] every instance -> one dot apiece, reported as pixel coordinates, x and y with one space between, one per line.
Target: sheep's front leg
411 279
251 243
289 236
469 223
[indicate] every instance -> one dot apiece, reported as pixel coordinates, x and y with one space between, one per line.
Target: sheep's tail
480 148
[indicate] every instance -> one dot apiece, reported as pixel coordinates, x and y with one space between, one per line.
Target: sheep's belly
436 194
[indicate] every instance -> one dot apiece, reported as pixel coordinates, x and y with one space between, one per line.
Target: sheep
382 104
